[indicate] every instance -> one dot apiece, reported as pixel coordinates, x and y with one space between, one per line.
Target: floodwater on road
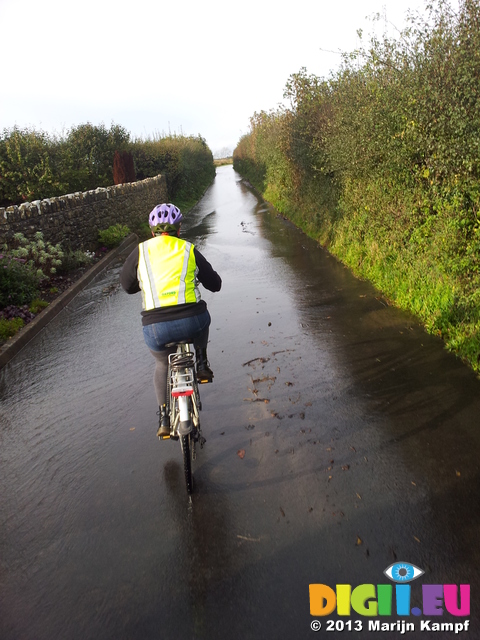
341 438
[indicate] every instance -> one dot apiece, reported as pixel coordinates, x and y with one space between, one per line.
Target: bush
142 229
89 153
72 260
12 311
29 166
18 284
9 328
37 305
40 257
34 165
186 162
114 235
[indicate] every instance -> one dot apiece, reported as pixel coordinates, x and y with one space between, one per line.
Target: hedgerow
186 161
36 165
381 163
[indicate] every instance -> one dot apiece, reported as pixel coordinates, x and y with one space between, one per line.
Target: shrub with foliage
35 165
37 305
40 257
186 161
30 166
142 229
9 328
114 235
13 311
72 260
18 284
89 153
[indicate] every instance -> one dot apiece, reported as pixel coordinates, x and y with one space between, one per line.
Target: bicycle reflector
182 391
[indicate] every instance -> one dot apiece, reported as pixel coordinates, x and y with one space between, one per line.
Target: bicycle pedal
204 380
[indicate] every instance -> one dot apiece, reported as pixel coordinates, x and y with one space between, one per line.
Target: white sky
197 67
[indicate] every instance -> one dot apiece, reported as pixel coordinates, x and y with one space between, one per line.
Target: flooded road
340 439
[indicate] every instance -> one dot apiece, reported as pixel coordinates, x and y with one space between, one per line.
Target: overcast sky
197 67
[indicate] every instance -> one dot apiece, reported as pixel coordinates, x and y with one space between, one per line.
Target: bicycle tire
168 402
187 462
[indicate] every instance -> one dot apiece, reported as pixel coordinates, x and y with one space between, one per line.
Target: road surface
341 438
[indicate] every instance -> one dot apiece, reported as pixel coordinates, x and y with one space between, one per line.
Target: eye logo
403 572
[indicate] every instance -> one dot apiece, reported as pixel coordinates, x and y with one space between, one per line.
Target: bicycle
184 406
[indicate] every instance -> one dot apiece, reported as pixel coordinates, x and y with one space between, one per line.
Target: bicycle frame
183 406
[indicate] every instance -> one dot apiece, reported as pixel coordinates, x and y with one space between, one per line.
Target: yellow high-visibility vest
167 272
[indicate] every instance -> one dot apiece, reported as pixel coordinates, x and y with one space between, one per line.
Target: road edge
10 349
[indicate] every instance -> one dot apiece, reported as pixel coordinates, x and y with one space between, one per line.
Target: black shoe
204 373
163 422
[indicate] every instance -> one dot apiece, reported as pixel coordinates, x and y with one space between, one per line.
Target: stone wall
75 219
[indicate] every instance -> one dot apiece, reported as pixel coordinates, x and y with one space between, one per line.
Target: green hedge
35 165
381 164
186 161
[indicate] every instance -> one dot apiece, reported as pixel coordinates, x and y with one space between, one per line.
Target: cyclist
167 269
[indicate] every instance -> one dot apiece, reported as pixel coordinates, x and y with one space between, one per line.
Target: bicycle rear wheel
187 449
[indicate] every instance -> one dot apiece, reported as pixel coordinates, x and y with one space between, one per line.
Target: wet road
360 433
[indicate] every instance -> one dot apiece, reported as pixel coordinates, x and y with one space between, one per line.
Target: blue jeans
195 329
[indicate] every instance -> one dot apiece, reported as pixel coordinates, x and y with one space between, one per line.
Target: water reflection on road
359 432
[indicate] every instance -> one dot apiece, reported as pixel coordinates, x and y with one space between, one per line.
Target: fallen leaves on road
264 379
241 453
262 360
249 539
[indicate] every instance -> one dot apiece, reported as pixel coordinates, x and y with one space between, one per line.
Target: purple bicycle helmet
165 214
